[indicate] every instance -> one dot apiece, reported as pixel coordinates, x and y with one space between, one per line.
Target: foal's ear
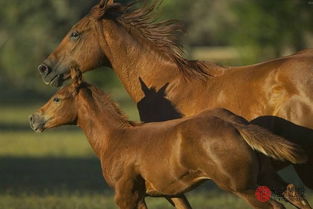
77 79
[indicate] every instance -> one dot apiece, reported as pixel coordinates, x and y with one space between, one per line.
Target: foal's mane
162 36
104 101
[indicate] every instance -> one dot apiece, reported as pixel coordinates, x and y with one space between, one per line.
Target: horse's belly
298 111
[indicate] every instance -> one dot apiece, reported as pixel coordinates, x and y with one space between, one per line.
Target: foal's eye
75 35
56 99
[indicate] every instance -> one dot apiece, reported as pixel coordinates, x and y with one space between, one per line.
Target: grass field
58 170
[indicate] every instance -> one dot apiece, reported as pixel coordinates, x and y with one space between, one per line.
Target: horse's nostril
43 69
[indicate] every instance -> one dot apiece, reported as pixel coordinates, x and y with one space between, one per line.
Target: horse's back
303 56
306 52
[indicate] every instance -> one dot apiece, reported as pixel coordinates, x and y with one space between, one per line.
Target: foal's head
82 44
61 109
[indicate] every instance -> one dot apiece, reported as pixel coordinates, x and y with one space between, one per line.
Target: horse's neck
131 60
97 123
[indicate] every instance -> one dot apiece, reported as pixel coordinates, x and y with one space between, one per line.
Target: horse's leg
249 196
305 172
180 202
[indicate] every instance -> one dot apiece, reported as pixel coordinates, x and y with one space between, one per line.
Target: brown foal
215 144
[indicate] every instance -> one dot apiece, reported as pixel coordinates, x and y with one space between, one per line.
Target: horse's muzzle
44 69
37 123
49 76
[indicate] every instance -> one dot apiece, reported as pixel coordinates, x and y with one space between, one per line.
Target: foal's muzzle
37 123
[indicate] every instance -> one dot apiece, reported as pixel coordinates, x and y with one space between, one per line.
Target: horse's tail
270 144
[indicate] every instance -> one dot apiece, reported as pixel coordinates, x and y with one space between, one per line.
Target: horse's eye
56 99
75 35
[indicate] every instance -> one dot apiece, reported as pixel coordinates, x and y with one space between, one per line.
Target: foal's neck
99 118
132 59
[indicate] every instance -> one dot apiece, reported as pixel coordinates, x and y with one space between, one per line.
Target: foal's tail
270 144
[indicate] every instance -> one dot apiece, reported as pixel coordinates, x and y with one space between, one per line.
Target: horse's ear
104 7
144 87
110 2
76 76
104 3
99 10
162 90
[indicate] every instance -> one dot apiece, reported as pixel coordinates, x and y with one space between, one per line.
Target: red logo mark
263 193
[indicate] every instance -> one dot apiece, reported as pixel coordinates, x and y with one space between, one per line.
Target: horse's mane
162 36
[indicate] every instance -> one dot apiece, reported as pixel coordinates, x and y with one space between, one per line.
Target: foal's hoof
294 197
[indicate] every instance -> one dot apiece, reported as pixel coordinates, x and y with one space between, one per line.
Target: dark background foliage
257 30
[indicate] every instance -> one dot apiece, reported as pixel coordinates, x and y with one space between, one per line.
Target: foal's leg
142 205
246 192
249 196
295 198
180 202
129 195
287 191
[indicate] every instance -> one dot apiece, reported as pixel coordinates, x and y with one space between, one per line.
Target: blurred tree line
260 29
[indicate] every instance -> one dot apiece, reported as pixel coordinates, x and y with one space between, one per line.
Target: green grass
99 201
71 143
58 170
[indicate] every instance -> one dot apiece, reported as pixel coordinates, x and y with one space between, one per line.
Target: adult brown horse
184 152
136 47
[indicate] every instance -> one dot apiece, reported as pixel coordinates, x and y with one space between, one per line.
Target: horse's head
61 108
81 45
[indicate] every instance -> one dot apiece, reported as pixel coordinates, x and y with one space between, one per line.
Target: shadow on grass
20 175
41 175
